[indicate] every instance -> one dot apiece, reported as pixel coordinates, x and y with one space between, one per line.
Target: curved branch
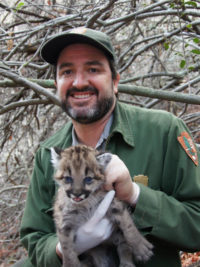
14 188
185 85
24 82
99 12
177 75
142 15
15 105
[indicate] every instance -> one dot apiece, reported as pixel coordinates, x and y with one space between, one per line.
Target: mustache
73 90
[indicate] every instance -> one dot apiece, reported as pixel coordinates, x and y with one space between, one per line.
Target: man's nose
80 81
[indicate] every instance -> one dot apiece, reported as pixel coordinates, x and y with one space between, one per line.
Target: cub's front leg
141 248
66 238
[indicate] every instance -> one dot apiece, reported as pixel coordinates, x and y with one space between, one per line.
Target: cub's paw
143 250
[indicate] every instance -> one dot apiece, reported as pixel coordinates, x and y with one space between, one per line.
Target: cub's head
80 170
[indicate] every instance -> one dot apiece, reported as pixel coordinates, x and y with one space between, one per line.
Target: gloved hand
96 230
135 195
119 178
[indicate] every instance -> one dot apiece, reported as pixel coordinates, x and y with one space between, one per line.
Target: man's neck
89 134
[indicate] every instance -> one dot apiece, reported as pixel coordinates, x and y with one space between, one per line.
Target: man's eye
68 179
88 180
67 72
93 70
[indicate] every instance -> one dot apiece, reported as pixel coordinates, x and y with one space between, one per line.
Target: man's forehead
86 63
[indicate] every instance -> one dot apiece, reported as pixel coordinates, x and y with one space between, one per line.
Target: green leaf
166 46
191 3
196 40
172 5
20 5
196 51
191 68
189 26
179 54
182 64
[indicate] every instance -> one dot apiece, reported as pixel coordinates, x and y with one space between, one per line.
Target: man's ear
55 156
103 159
115 83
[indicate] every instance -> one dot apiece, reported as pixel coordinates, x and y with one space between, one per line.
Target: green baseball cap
52 48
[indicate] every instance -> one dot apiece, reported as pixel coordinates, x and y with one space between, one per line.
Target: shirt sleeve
171 213
37 228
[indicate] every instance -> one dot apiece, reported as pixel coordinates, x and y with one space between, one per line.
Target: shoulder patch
188 145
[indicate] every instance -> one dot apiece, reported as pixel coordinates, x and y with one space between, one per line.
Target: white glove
96 230
136 193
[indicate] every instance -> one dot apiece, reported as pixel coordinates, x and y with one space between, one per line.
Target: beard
86 115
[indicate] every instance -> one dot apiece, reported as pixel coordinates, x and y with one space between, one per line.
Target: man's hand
119 179
94 231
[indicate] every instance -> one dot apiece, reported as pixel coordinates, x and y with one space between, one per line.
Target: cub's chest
75 214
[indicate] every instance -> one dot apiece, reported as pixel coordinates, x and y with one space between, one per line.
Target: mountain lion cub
80 174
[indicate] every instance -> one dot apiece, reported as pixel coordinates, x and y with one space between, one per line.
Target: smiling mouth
81 95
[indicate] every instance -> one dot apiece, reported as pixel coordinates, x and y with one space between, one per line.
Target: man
148 142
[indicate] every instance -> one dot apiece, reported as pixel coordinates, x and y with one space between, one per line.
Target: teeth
81 96
75 199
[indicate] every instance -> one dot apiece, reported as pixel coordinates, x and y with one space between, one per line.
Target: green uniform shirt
168 209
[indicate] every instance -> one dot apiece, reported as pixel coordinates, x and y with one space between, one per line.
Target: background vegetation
158 47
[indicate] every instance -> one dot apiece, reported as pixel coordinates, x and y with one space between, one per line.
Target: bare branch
24 103
170 96
37 88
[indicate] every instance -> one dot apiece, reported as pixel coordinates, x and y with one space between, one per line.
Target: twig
13 188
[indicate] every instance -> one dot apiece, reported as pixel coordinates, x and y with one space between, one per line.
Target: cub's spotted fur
80 174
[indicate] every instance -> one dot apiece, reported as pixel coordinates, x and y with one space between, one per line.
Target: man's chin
86 115
81 115
84 118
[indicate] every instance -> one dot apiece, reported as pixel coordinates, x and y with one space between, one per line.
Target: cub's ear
103 159
55 156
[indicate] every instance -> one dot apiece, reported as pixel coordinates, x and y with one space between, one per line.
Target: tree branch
18 104
152 93
127 89
99 12
34 86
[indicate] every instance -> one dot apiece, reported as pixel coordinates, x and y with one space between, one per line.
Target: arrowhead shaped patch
188 145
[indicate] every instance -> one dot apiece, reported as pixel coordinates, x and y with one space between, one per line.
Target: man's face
84 83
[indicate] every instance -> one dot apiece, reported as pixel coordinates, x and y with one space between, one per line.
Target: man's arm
37 229
171 212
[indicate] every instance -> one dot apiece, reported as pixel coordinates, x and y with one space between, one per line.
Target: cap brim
51 49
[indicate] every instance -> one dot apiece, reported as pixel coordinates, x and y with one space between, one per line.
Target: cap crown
52 48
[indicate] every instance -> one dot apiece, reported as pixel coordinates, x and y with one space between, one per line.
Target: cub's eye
68 180
88 180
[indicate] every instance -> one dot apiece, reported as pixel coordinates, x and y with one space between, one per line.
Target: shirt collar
102 140
124 122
